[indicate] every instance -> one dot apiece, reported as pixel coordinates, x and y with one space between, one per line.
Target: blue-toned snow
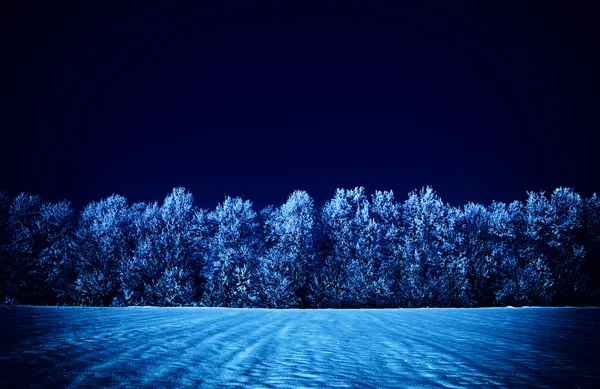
212 347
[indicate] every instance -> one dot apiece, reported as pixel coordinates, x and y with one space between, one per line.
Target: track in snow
212 347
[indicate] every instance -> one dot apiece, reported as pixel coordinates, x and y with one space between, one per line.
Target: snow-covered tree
387 253
165 242
177 251
481 266
591 239
565 241
23 248
55 263
532 221
139 270
591 222
4 207
38 251
502 268
231 268
427 249
354 253
288 258
102 246
349 274
5 260
454 283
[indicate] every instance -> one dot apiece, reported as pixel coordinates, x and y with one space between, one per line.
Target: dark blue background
480 101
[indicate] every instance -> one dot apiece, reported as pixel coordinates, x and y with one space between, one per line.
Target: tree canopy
355 251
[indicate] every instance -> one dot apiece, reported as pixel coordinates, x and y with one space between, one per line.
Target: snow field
259 348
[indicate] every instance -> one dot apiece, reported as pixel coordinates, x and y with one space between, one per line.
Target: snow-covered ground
212 347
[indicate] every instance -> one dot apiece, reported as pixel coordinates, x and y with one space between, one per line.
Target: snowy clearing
212 347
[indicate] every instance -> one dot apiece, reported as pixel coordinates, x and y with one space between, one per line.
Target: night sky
482 102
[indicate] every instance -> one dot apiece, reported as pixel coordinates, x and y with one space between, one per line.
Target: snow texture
259 348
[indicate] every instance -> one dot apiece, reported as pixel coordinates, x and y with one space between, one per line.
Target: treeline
357 251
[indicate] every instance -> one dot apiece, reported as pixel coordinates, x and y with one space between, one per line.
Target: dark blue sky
480 101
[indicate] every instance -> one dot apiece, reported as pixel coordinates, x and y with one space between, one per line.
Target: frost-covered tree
138 271
38 251
475 242
591 238
330 286
354 253
288 258
102 246
55 263
591 223
565 241
502 223
532 221
22 279
431 266
231 268
453 283
4 247
349 275
179 262
387 253
166 257
4 207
